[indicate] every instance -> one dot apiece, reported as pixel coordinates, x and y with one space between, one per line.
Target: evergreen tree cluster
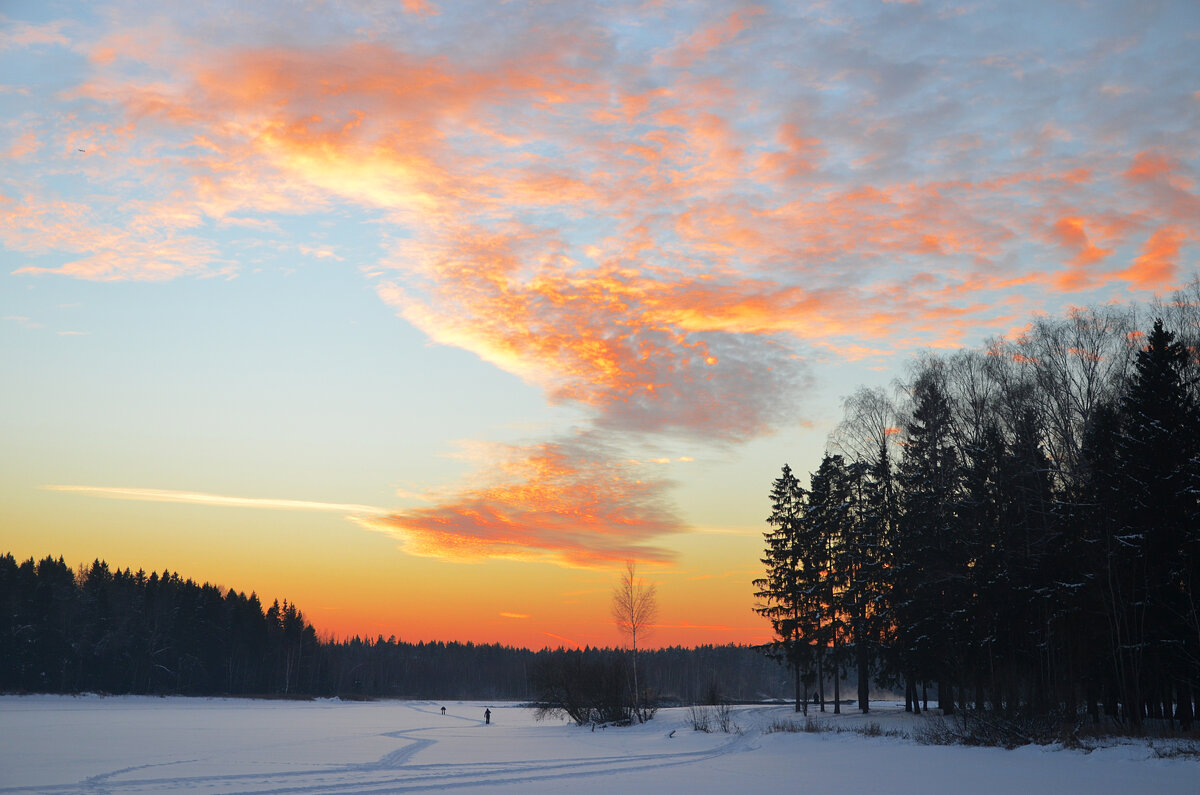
1019 530
123 632
106 631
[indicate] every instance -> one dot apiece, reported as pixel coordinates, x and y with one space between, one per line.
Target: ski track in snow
93 745
393 772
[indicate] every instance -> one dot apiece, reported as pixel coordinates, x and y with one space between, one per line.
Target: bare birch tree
634 610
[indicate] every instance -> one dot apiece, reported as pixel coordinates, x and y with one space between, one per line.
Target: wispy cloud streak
216 500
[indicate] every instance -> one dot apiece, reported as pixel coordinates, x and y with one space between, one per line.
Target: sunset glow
428 316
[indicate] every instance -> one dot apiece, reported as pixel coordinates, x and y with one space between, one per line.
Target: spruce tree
823 561
781 595
860 560
1097 524
1157 453
929 584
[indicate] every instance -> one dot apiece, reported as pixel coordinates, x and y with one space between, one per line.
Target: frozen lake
90 744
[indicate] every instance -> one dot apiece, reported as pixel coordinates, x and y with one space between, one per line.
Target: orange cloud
568 502
1158 264
1167 184
448 148
1071 233
639 333
640 347
668 317
363 121
1149 167
285 130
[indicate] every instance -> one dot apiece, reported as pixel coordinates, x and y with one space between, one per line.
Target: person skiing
487 717
443 710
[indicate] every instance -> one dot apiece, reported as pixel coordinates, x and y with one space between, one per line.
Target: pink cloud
24 34
699 44
420 7
23 146
145 247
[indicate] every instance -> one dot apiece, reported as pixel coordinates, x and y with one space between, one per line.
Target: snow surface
91 744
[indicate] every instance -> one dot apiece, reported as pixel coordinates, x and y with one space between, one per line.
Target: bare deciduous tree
634 610
870 423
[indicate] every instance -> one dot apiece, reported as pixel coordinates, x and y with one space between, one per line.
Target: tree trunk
821 677
837 676
946 697
864 683
1184 710
801 697
636 694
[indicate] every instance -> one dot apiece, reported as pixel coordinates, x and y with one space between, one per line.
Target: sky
427 316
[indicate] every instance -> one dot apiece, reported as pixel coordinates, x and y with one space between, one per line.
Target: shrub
714 718
809 726
782 726
974 727
587 687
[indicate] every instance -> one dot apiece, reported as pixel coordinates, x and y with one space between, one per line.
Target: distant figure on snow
443 710
487 717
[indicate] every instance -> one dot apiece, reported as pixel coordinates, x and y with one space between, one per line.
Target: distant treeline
99 630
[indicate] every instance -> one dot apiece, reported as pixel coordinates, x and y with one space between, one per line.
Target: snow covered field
91 744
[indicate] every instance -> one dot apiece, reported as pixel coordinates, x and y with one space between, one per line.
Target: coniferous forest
119 631
1016 533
